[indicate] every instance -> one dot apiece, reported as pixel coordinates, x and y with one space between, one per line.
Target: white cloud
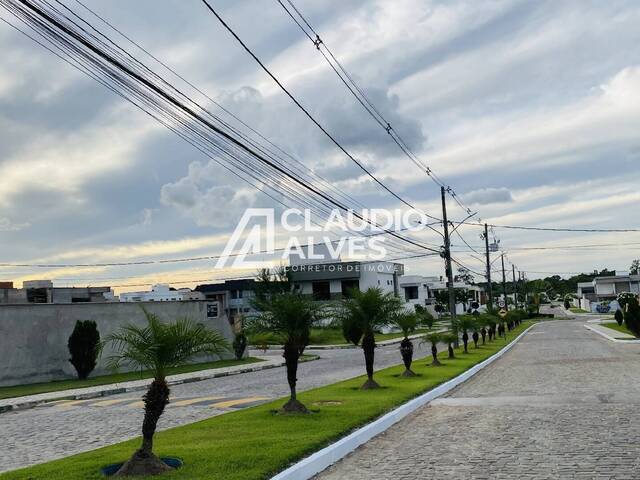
485 196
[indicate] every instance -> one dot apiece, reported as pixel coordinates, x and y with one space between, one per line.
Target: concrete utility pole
486 245
515 286
504 285
447 259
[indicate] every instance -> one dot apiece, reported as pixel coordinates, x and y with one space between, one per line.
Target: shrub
239 345
632 316
567 305
84 347
619 317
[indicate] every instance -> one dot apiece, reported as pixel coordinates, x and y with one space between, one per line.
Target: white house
161 293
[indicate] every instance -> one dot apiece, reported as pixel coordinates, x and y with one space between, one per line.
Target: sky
530 110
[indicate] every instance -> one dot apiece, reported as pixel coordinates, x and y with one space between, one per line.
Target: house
421 290
43 291
334 280
161 293
233 296
608 288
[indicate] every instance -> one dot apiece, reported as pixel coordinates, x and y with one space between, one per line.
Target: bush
567 304
619 317
632 316
239 345
84 347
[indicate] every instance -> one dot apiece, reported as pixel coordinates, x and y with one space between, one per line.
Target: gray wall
33 337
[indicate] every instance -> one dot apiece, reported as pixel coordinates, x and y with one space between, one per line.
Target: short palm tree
158 346
407 322
363 314
450 338
464 324
434 338
289 318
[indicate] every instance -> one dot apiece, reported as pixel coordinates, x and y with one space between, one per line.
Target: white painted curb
608 337
317 462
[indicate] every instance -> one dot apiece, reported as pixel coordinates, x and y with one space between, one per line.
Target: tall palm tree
434 338
158 346
363 314
464 324
450 338
289 318
407 322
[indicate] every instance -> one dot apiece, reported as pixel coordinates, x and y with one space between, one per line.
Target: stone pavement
562 404
48 432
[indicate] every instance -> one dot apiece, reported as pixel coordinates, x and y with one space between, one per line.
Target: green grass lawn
35 388
577 310
618 328
255 443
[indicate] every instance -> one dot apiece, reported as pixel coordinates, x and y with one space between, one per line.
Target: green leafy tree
464 325
425 319
450 339
158 346
634 269
84 347
365 313
407 322
288 317
623 299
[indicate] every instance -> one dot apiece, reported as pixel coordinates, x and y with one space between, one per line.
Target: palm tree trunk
465 340
450 348
406 350
291 358
368 347
143 461
434 355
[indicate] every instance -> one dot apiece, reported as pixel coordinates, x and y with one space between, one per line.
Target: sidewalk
30 401
610 334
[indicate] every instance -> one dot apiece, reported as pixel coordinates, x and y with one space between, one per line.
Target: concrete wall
33 338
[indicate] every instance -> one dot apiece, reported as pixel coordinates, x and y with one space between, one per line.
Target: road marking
191 401
240 401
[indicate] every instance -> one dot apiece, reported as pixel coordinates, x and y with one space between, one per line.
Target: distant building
43 291
162 293
334 280
421 290
233 296
608 288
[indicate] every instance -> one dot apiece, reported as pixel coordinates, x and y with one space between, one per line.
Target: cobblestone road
564 403
50 432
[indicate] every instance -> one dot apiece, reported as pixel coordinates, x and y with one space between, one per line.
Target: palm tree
289 318
407 322
450 338
434 338
158 347
363 314
465 324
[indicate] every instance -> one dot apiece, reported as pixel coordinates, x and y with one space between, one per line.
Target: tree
623 299
464 324
158 346
634 269
434 338
463 296
425 319
364 313
407 322
239 345
450 338
289 318
632 316
84 347
619 317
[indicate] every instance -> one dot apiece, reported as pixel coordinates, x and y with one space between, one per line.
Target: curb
610 338
319 461
136 388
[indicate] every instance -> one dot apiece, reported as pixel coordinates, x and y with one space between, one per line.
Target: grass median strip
618 328
254 443
57 386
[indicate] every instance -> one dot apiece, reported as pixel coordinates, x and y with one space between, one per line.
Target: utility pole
486 245
504 285
515 286
447 258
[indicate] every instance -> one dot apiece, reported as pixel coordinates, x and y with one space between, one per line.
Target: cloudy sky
529 109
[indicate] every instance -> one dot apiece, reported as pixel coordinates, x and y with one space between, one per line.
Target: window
212 310
411 293
321 291
348 286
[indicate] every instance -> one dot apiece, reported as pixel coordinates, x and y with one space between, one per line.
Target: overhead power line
305 111
557 229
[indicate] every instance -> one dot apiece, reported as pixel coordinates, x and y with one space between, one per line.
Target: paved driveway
57 430
564 403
